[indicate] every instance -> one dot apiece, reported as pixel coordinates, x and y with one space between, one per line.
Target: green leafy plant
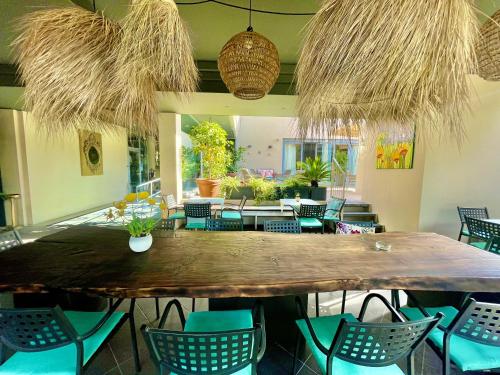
294 182
210 142
263 190
140 227
228 185
315 170
237 154
341 157
190 163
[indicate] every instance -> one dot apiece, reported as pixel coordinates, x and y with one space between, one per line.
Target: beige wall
467 176
260 133
394 194
170 139
51 168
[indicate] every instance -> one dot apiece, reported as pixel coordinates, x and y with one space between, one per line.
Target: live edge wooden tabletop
238 264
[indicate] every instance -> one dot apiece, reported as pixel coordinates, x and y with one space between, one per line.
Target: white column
169 134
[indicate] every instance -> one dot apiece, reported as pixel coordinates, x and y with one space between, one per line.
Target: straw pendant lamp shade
249 65
393 62
66 66
488 50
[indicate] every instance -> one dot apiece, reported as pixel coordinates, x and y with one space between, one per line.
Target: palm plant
315 170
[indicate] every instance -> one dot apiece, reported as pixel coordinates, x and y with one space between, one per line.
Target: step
356 207
359 216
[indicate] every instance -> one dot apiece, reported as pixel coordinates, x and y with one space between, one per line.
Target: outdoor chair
211 342
9 239
468 337
344 345
476 213
234 212
311 216
172 205
334 209
223 225
494 245
166 224
282 226
197 215
481 232
53 341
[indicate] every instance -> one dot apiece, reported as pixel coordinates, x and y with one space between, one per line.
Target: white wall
51 169
469 175
260 133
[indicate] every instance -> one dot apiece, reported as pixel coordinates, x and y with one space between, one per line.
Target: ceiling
211 25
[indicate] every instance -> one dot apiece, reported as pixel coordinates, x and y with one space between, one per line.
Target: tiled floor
117 357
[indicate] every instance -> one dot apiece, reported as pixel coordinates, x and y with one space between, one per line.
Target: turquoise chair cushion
62 361
465 232
177 215
196 223
466 354
480 245
214 321
325 328
310 222
331 218
231 215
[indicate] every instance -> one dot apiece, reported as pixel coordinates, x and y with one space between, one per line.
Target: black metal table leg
133 335
157 307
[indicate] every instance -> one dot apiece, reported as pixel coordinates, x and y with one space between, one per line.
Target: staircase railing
338 180
153 186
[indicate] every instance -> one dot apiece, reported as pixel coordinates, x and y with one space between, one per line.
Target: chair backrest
482 229
282 226
198 210
166 224
214 353
379 344
223 225
478 322
33 330
243 201
171 202
335 205
494 245
312 210
9 239
475 212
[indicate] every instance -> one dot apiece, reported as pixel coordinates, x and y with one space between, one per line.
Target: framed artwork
395 153
90 153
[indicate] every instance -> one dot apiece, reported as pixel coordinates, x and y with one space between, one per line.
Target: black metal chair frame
471 315
479 228
474 212
282 226
341 348
165 224
315 211
198 210
35 322
493 245
224 225
239 208
258 332
9 239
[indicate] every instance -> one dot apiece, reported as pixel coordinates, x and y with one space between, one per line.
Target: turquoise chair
282 226
474 212
469 337
53 341
197 215
311 216
211 342
344 345
494 245
172 205
481 232
234 212
334 209
222 225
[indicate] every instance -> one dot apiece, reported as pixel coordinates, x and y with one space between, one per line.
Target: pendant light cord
242 8
250 28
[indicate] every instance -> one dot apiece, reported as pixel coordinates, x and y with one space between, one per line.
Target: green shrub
263 190
190 163
228 185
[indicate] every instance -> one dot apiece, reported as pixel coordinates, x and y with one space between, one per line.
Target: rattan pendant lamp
249 64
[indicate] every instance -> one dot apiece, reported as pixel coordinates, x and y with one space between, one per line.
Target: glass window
309 151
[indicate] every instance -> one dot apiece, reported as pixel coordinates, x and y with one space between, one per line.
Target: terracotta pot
208 188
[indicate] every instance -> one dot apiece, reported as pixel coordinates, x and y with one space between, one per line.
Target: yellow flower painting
395 153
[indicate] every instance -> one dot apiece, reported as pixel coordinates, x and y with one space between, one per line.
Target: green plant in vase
315 170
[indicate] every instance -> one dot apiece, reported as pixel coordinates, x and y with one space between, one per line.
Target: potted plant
294 185
210 142
236 154
140 233
315 170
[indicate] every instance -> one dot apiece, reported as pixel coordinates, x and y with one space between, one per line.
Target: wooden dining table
250 264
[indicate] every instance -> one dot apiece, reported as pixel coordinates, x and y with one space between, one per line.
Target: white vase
140 244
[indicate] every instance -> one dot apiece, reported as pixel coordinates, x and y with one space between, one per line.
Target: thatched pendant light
155 53
249 64
65 63
488 49
387 61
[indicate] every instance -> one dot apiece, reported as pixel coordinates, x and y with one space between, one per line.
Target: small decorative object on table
297 197
139 225
383 246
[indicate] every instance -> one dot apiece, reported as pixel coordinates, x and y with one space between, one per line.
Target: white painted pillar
169 136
